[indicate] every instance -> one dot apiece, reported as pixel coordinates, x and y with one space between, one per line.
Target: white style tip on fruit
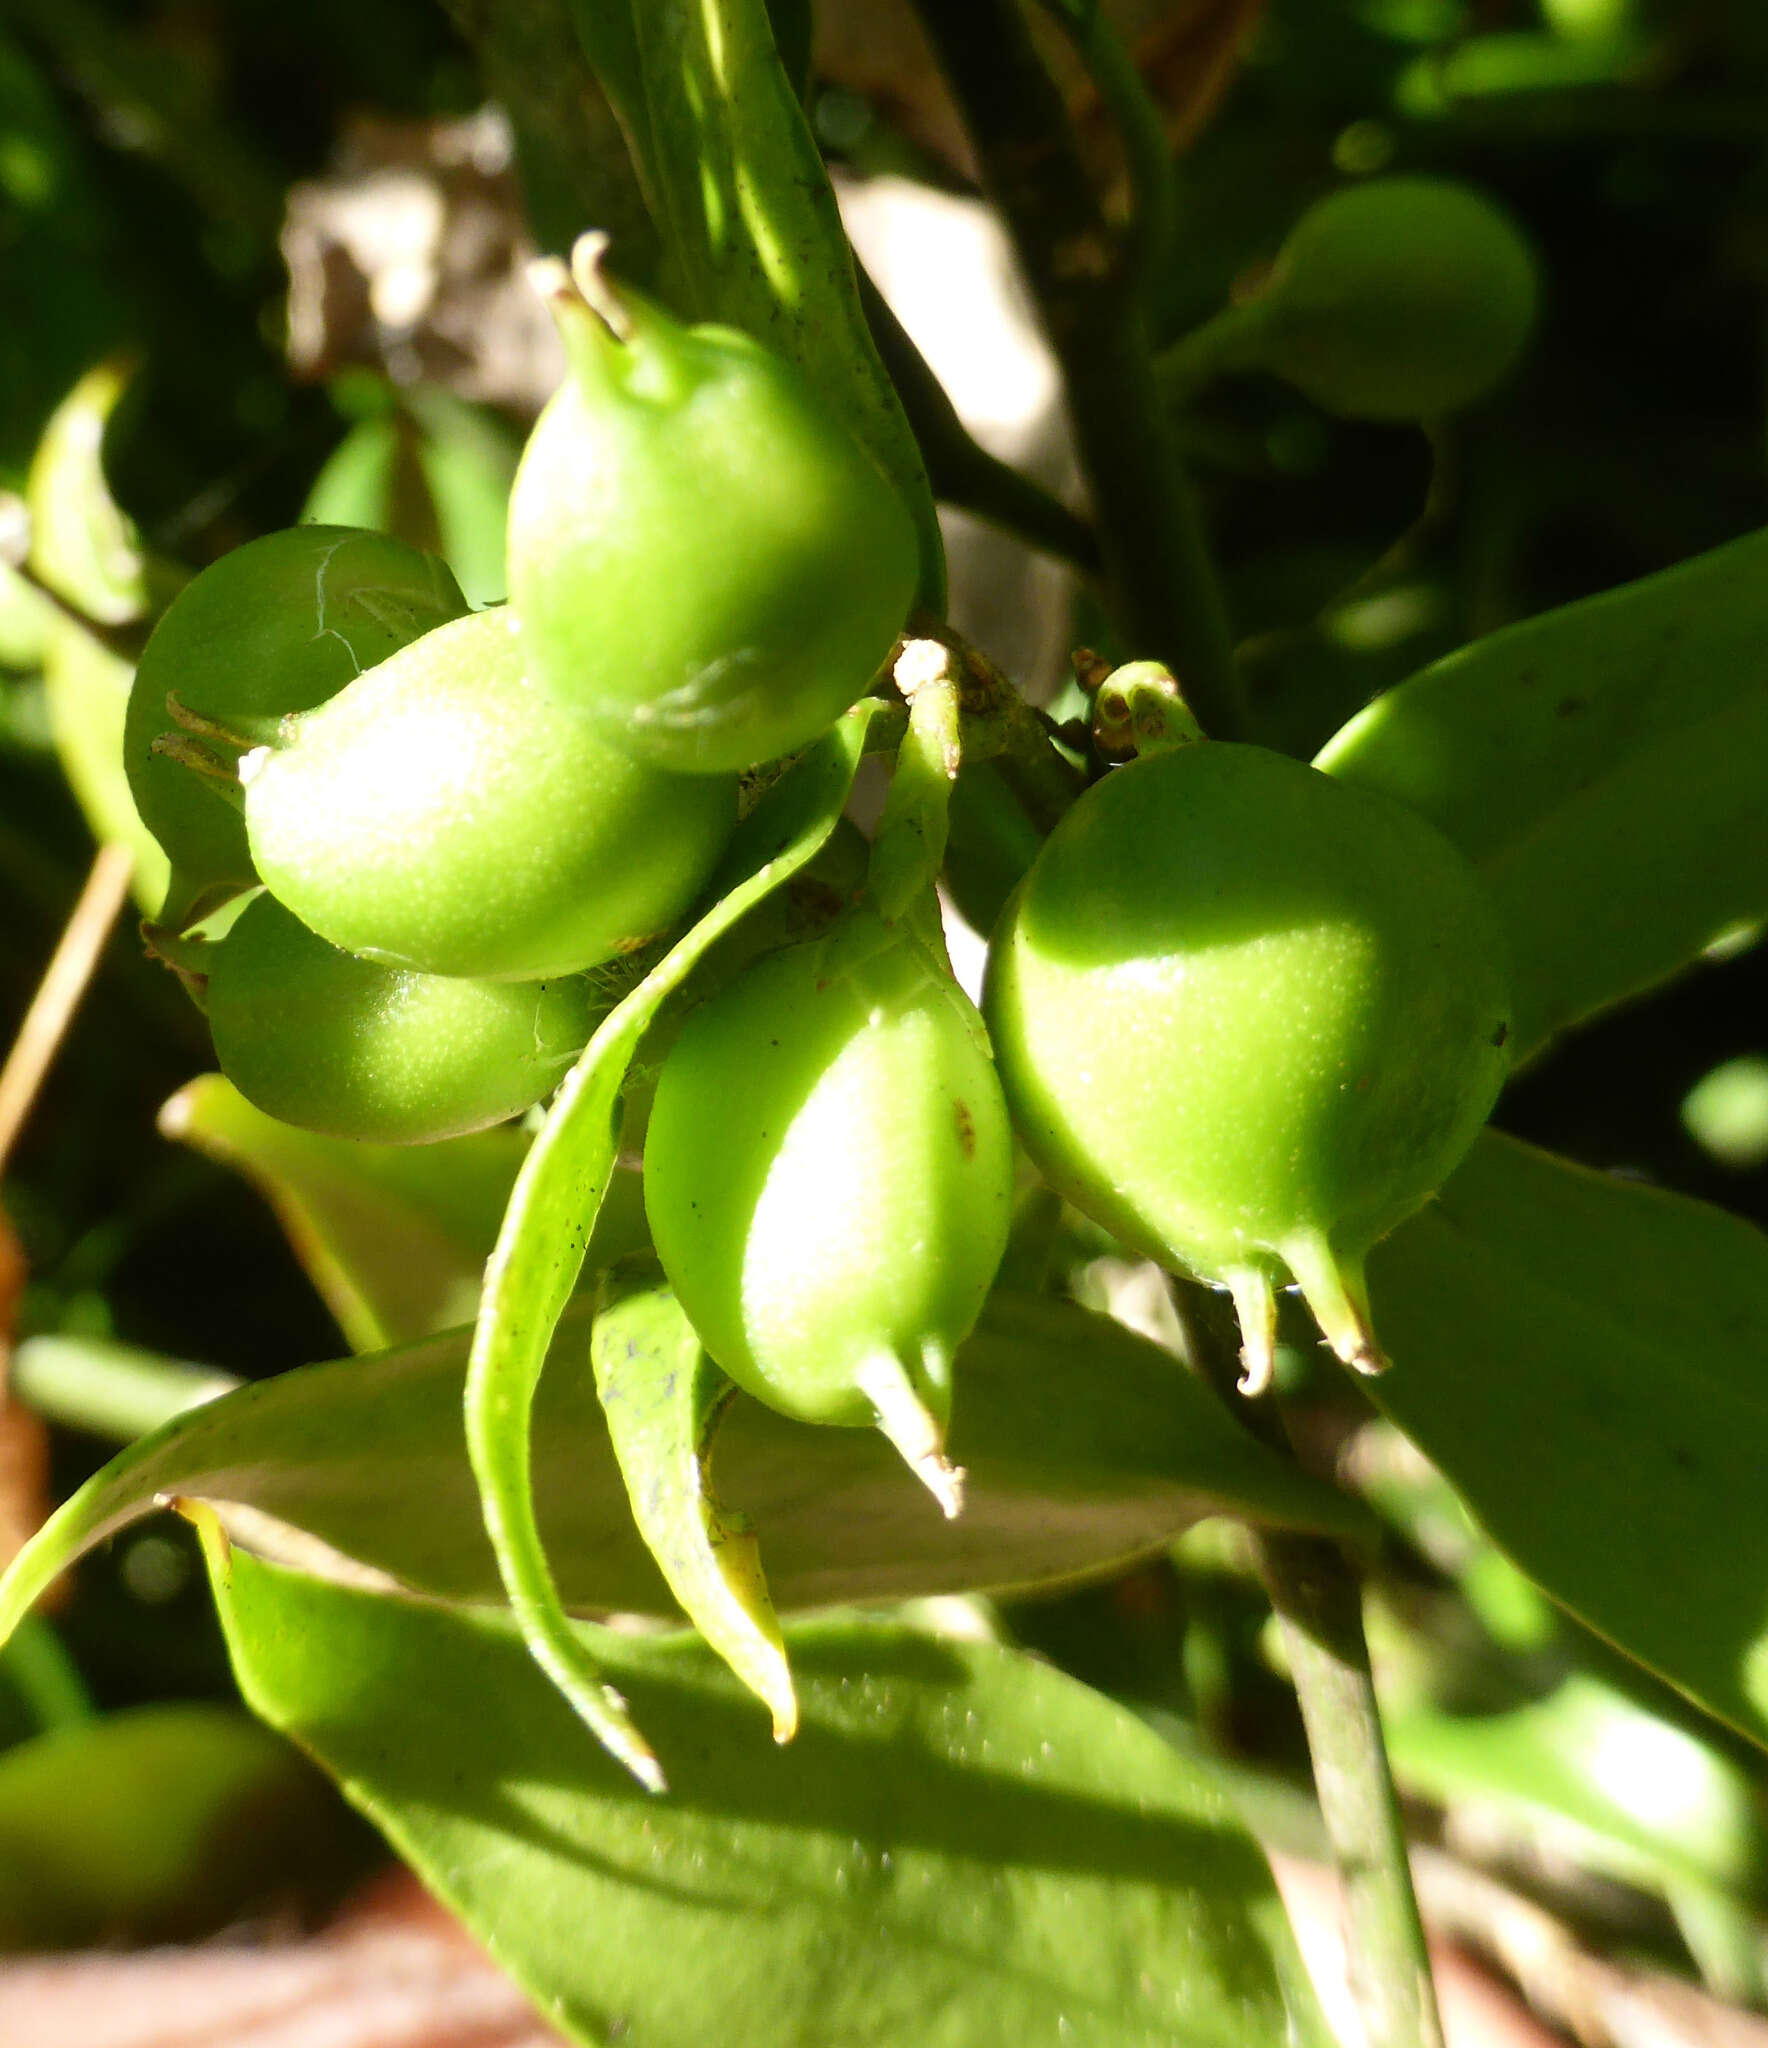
1255 1303
1335 1290
912 1427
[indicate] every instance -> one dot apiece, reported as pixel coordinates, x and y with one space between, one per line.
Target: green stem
1141 132
962 472
1157 563
1314 1590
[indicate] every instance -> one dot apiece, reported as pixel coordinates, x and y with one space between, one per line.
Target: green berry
828 1175
336 1044
1249 1018
1399 299
704 559
446 814
278 625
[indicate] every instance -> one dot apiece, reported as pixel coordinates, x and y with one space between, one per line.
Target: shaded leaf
1586 1359
395 1237
1604 766
1616 1787
962 1846
1085 1446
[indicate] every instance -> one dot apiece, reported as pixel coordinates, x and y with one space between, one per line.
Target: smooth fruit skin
828 1175
703 558
446 814
278 625
336 1044
1249 1018
1399 299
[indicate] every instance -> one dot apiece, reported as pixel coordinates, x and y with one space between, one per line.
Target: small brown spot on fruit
966 1124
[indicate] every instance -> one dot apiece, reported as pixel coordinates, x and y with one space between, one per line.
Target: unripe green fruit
336 1044
828 1175
278 625
446 814
703 557
1397 299
1249 1017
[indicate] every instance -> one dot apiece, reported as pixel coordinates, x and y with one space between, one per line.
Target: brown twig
52 1008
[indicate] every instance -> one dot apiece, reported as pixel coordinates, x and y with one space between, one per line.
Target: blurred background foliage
302 230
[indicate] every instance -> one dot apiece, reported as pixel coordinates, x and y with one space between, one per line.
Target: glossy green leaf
1603 764
158 1823
737 183
1586 1359
1085 1446
83 545
1603 1780
541 1249
961 1847
662 1397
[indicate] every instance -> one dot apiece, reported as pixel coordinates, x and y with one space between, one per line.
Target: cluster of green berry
1246 1016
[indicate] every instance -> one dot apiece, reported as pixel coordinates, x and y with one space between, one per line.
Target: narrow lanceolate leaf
1606 765
1586 1360
750 222
557 1197
663 1397
962 1849
1086 1447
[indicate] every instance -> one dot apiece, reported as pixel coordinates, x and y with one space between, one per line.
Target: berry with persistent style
1249 1018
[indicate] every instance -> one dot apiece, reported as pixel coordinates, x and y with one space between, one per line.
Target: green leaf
541 1248
83 545
662 1397
961 1849
1613 1786
738 186
1603 766
1085 1446
468 457
1586 1359
395 1237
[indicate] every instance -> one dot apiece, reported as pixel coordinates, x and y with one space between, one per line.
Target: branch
1150 531
1314 1590
961 471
